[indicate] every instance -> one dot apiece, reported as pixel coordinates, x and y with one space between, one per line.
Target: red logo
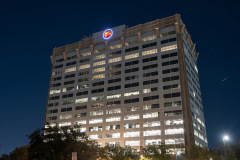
107 34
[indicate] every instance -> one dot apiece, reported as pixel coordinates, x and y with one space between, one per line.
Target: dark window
98 90
150 82
171 95
153 106
58 66
55 97
170 70
114 88
169 63
83 73
84 60
53 104
81 107
69 76
52 118
81 93
149 59
170 78
170 86
150 66
67 95
56 79
52 111
150 98
131 63
66 109
169 55
150 74
83 80
56 85
71 63
131 70
115 53
131 77
98 83
132 85
131 49
59 60
168 40
134 100
149 45
71 57
69 82
114 80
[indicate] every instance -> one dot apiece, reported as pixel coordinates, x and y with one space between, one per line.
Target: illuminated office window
99 56
152 133
96 113
114 96
174 131
96 136
99 63
114 59
70 69
98 76
131 134
82 100
132 143
84 66
98 70
153 51
151 124
152 142
131 93
168 48
113 111
94 121
132 56
113 119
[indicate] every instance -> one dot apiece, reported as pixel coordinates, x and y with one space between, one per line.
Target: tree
198 153
19 153
157 152
118 153
58 143
4 157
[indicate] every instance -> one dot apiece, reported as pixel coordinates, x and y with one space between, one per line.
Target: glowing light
225 138
107 34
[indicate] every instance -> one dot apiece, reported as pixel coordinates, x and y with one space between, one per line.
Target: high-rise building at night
130 86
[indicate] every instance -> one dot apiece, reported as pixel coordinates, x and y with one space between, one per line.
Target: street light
225 138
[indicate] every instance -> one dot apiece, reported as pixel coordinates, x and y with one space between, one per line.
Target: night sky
29 30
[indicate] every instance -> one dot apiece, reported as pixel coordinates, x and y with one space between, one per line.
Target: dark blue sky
29 30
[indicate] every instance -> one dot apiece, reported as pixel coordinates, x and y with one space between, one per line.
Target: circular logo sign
107 34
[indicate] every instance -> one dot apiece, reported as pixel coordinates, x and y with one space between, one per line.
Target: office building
130 86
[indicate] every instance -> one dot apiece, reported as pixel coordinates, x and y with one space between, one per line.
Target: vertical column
123 41
157 32
139 36
106 45
78 52
64 56
92 48
187 116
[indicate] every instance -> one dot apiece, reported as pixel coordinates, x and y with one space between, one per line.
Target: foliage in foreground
54 143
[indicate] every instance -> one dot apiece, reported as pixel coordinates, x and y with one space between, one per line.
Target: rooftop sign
107 34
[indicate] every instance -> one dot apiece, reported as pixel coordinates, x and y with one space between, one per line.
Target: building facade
130 86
